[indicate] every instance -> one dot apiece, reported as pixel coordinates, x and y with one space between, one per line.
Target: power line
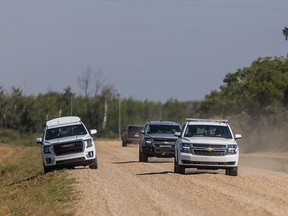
193 4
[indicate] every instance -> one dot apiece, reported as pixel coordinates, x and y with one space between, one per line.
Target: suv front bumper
159 150
78 159
217 162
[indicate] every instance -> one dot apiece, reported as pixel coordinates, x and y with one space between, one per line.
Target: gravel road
123 186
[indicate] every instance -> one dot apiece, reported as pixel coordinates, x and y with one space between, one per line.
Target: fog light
48 160
90 154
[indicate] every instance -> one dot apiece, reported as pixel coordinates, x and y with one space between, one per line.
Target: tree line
254 98
27 114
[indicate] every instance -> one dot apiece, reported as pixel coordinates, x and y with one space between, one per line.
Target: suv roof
63 121
205 121
162 123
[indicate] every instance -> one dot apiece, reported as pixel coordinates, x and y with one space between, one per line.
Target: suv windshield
71 130
163 129
134 129
207 131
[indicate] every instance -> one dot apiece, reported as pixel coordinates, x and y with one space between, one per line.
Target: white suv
206 144
66 142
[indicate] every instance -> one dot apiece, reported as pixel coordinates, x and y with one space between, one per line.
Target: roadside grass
26 190
13 137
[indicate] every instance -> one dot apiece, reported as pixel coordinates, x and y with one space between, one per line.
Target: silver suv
206 144
66 142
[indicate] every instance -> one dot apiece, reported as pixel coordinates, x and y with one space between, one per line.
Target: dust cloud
264 143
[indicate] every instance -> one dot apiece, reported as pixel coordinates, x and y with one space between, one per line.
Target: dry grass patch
25 190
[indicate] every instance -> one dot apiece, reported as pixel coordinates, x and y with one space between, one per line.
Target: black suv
157 139
131 134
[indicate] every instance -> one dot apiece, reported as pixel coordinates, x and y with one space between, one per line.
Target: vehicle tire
227 171
47 169
124 144
232 171
143 156
175 165
94 164
178 168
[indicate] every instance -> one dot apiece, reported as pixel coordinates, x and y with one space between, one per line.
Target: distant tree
107 93
14 109
3 106
84 82
66 101
29 115
132 111
259 89
99 82
175 110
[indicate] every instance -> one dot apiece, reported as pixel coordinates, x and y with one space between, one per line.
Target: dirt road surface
123 186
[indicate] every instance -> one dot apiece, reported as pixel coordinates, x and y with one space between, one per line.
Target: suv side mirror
93 131
141 131
39 140
178 134
238 136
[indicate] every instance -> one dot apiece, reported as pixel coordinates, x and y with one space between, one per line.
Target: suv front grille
209 145
209 153
68 148
158 142
209 150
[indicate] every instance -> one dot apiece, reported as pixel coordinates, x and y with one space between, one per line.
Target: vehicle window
146 128
135 129
207 131
73 130
183 128
163 129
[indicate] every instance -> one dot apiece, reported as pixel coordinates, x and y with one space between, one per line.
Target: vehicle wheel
47 169
232 171
178 168
175 165
94 164
227 171
124 144
143 156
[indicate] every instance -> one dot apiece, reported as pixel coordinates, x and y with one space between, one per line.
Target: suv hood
67 139
210 140
161 136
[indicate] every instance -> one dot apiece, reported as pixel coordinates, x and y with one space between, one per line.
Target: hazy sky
148 49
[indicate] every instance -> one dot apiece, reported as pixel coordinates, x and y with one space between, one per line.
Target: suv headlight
232 149
46 149
185 147
148 142
88 143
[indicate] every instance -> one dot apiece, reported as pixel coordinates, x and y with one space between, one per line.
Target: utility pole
119 116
